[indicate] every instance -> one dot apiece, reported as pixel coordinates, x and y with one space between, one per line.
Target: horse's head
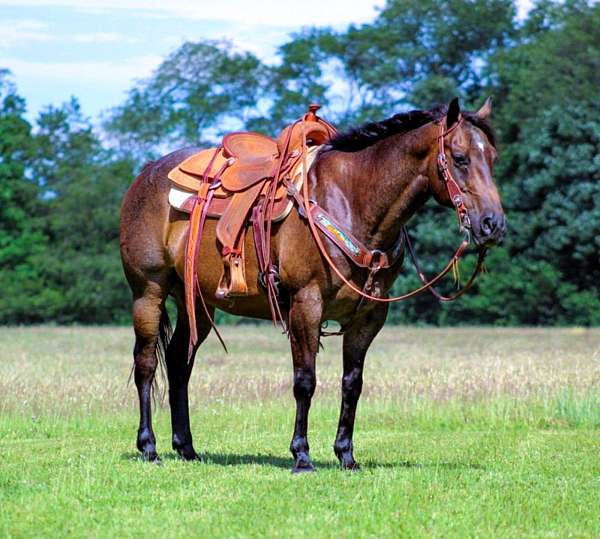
469 150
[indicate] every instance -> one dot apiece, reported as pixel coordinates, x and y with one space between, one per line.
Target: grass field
462 432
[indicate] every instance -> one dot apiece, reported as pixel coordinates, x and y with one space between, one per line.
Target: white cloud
14 32
18 32
102 37
84 73
263 12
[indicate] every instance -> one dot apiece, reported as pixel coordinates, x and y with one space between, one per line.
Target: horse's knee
305 382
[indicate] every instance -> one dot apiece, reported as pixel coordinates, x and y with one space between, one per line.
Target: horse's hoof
151 456
303 467
351 466
190 456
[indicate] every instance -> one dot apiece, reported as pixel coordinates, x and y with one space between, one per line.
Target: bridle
375 260
454 190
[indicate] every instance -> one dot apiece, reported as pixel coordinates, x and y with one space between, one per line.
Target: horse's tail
165 332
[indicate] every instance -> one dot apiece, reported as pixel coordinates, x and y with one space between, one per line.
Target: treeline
62 178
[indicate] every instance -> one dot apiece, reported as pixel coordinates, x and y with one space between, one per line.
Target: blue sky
96 49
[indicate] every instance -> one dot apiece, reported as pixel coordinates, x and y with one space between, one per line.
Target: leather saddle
246 170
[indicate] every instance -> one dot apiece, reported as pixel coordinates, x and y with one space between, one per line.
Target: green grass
460 433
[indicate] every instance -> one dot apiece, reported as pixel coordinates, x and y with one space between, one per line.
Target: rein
376 260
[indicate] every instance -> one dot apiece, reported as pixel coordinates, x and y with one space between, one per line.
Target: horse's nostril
489 224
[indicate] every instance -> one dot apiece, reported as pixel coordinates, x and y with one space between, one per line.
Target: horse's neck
389 182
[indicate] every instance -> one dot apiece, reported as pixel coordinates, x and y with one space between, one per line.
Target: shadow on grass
234 459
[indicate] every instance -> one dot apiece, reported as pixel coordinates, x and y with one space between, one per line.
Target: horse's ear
453 113
486 110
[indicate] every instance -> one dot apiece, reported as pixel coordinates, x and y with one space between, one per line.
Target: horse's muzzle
489 230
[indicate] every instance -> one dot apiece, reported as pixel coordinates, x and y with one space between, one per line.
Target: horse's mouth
488 235
487 242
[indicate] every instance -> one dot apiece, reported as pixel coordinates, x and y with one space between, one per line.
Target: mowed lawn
460 432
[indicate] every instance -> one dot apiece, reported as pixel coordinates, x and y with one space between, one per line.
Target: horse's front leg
357 340
304 326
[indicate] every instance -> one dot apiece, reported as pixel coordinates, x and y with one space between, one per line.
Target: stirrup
233 279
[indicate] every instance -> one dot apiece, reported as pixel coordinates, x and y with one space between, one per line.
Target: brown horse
372 180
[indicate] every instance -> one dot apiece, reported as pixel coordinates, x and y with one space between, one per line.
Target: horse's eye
461 160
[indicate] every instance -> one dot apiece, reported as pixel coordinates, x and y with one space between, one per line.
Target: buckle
442 162
291 189
376 258
466 222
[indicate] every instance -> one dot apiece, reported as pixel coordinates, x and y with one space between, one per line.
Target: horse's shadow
275 461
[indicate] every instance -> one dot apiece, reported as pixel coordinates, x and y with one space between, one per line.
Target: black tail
165 332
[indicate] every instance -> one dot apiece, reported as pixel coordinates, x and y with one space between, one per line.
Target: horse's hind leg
179 370
357 340
147 311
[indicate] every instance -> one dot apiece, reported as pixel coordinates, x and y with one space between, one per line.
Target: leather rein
375 260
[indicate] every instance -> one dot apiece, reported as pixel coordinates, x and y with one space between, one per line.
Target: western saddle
248 180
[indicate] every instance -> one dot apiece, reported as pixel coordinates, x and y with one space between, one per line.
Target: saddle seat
249 157
182 194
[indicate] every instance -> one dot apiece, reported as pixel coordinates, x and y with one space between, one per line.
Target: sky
96 49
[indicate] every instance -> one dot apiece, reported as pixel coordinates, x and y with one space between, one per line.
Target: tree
555 62
83 184
547 118
199 92
21 237
60 186
557 207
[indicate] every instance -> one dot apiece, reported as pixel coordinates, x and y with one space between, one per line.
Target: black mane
359 138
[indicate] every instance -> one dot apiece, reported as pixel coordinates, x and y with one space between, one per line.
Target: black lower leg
180 420
351 388
356 343
179 370
305 319
304 388
146 441
146 320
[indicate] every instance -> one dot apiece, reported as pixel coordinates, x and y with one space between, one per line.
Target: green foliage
556 208
61 185
429 50
296 81
61 193
201 89
21 234
555 62
83 185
